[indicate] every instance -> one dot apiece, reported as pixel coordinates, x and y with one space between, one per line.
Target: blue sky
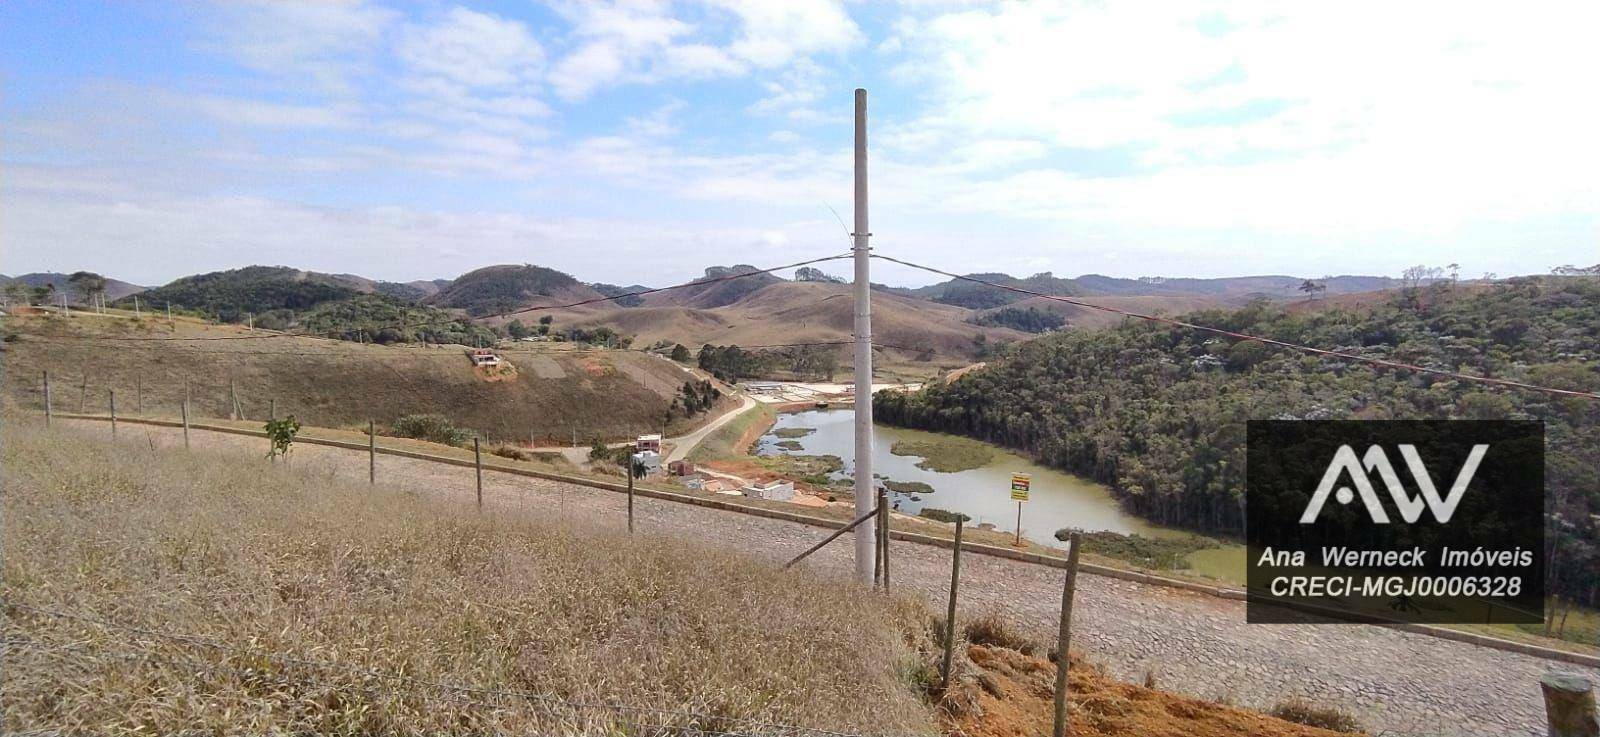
642 141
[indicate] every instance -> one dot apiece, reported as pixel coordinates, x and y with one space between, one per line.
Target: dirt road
1394 682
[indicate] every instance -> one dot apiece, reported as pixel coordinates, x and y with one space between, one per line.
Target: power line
518 311
1245 336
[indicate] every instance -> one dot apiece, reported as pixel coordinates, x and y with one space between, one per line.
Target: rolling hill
715 294
552 392
784 312
506 287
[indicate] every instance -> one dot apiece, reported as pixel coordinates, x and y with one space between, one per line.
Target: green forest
1158 412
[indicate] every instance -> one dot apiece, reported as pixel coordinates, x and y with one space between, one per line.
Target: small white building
651 443
777 490
650 459
484 357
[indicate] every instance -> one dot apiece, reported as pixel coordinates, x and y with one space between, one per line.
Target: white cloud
258 113
320 44
775 33
643 41
1303 116
474 50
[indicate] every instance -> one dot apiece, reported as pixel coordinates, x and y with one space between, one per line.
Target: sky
640 141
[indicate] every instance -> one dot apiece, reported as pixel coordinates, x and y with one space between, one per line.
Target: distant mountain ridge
115 289
979 297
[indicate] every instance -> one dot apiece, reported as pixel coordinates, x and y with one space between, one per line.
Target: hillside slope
552 394
232 294
715 294
802 312
1158 413
350 603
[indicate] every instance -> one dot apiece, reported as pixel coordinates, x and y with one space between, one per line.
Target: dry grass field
159 591
933 335
553 392
248 597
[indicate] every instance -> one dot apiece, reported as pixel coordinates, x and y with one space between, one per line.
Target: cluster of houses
647 454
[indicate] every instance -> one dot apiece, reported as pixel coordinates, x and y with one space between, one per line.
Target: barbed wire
1246 336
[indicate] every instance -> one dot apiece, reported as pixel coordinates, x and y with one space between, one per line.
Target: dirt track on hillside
1394 682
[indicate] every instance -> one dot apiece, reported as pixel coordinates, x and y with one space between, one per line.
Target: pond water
1056 499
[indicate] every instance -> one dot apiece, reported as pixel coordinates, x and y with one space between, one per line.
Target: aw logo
1359 470
1386 520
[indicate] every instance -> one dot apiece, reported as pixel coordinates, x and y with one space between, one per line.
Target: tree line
1158 413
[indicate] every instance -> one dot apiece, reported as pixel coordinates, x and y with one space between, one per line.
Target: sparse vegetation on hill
719 294
1158 413
350 602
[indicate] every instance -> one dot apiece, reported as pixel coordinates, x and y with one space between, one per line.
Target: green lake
1056 499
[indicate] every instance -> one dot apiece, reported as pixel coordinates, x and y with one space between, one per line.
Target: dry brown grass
325 597
331 383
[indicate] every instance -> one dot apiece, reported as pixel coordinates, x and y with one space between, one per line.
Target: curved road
1393 682
682 444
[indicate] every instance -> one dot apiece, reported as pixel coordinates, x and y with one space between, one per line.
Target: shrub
943 515
430 427
1300 711
1149 552
990 629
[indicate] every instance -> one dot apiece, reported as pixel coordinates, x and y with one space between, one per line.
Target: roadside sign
1019 486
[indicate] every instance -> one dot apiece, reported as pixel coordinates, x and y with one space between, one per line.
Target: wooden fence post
138 392
372 452
477 458
950 614
49 414
113 394
1569 705
185 424
1063 661
83 393
877 542
883 535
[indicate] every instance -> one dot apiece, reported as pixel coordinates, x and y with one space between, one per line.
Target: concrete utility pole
866 537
